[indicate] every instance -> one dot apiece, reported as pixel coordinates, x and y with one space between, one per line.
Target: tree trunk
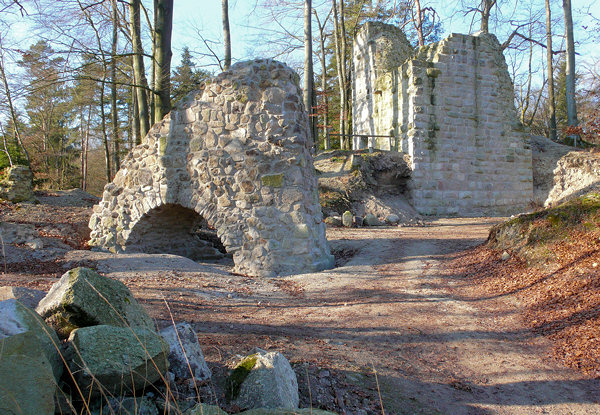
114 116
139 72
85 140
226 34
309 88
419 23
163 25
340 52
549 56
324 97
104 133
486 10
570 68
11 108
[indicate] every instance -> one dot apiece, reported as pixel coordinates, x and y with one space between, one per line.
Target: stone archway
173 229
237 153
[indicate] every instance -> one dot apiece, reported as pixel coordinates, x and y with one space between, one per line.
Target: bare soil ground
398 324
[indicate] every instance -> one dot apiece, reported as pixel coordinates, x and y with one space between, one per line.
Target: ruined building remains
449 106
235 157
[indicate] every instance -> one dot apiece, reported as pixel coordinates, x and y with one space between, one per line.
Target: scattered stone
185 357
204 409
371 220
333 220
505 256
304 411
83 298
122 360
263 380
27 384
358 221
16 184
392 219
128 406
347 219
18 322
27 296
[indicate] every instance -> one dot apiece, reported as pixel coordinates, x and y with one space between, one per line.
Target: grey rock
505 256
128 406
185 354
347 219
18 321
27 384
392 219
264 380
371 220
83 298
122 360
333 221
16 184
304 411
27 296
204 409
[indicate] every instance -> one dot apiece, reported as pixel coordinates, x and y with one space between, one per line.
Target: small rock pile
89 346
16 184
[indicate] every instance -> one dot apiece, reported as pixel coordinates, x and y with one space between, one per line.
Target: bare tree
341 46
570 68
139 72
226 34
114 116
163 26
549 57
309 100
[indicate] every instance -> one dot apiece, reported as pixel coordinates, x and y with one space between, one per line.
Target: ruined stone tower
235 155
449 106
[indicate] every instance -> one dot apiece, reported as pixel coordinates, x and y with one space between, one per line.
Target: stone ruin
449 106
234 157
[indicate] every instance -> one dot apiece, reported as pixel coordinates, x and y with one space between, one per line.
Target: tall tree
226 34
570 67
163 26
309 99
341 47
486 7
139 72
549 58
186 78
114 111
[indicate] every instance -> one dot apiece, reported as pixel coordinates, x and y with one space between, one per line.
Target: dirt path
388 310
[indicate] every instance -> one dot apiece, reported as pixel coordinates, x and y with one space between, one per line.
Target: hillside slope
549 261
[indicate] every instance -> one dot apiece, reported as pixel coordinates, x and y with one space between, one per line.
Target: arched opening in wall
173 229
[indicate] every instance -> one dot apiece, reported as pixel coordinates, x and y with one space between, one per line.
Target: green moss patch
272 180
530 235
239 375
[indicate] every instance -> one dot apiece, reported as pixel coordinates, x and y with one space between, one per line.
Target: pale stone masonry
237 154
449 106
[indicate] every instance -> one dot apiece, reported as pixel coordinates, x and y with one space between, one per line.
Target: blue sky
192 16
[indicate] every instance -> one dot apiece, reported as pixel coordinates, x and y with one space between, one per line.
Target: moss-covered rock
264 380
83 298
18 322
27 385
122 360
16 184
204 409
304 411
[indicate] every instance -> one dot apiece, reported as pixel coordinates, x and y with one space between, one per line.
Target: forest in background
99 73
